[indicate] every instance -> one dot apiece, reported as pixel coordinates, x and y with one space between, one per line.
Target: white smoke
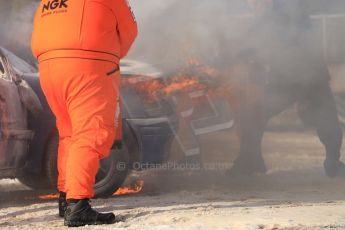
16 27
173 30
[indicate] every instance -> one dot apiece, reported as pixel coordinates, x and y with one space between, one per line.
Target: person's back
85 25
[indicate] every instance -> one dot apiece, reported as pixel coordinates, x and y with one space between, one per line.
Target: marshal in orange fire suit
78 44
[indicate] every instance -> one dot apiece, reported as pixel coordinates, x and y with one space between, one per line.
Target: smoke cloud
280 45
16 25
171 31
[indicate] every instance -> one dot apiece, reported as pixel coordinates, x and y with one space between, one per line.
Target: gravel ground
294 194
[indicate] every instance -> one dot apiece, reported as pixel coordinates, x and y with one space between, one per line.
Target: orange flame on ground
49 196
131 189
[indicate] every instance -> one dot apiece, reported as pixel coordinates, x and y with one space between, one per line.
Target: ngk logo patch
54 6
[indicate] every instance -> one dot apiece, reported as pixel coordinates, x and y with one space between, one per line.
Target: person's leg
251 116
250 124
92 108
320 111
92 102
64 141
90 96
52 89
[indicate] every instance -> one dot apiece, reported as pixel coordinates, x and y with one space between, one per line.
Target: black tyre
47 178
112 173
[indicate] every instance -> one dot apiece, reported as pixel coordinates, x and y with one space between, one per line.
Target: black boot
80 213
62 204
334 168
247 166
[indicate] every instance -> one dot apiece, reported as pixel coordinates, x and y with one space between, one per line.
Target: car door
14 135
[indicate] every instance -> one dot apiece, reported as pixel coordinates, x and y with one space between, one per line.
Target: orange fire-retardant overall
78 44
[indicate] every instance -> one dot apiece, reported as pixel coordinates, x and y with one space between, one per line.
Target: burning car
29 139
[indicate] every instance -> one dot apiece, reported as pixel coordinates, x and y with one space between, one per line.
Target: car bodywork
16 100
27 123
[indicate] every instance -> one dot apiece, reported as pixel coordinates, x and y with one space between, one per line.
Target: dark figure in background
283 39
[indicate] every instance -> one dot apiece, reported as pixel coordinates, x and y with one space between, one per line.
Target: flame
49 196
238 84
230 82
194 76
181 83
144 85
195 63
131 189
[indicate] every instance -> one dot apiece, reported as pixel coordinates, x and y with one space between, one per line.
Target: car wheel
47 179
34 181
112 173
